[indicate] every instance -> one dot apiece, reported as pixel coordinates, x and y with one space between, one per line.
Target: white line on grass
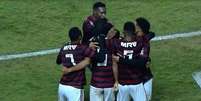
52 51
197 77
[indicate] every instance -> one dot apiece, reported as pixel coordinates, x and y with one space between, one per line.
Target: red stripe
102 85
102 73
129 81
102 79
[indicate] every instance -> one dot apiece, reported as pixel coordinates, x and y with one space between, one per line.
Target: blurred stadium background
31 25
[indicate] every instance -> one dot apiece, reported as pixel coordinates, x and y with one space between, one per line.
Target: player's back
70 55
102 73
128 49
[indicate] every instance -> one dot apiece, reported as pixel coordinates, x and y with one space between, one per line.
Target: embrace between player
116 63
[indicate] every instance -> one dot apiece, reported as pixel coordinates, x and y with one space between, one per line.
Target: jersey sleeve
149 36
59 56
87 31
89 52
145 50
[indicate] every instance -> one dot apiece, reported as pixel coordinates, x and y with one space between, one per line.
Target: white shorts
101 94
148 88
69 93
136 92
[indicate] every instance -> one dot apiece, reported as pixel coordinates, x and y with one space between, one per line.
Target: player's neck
94 16
128 38
75 42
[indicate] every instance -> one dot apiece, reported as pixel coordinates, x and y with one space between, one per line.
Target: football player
102 80
129 76
99 12
72 53
142 26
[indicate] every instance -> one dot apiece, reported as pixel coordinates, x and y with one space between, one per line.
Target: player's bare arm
77 67
115 72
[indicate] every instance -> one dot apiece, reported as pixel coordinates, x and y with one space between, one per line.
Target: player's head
75 34
142 26
113 33
102 26
99 10
129 28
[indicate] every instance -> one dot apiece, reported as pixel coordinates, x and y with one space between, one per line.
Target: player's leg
69 93
123 94
137 92
96 94
108 94
61 93
148 88
76 95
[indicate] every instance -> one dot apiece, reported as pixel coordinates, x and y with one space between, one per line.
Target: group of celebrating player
118 64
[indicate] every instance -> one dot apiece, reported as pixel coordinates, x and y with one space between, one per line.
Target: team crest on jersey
128 44
70 47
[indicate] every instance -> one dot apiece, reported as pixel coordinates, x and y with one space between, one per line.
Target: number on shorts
128 53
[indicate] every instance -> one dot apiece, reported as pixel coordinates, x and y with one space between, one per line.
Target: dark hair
102 26
129 28
98 4
143 24
74 33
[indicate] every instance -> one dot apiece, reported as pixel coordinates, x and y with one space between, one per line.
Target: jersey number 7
71 58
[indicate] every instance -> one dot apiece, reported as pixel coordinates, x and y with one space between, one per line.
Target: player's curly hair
143 24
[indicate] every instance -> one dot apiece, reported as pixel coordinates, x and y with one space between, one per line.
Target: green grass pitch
29 25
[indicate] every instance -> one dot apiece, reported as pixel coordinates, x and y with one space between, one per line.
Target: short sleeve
59 57
89 52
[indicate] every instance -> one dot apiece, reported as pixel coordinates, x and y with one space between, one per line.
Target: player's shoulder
117 41
89 18
143 39
139 38
64 45
82 47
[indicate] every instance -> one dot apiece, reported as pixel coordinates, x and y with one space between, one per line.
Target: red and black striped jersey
87 27
102 73
70 55
127 74
147 74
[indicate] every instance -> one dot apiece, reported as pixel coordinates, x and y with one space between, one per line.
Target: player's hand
66 70
115 58
93 45
116 88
